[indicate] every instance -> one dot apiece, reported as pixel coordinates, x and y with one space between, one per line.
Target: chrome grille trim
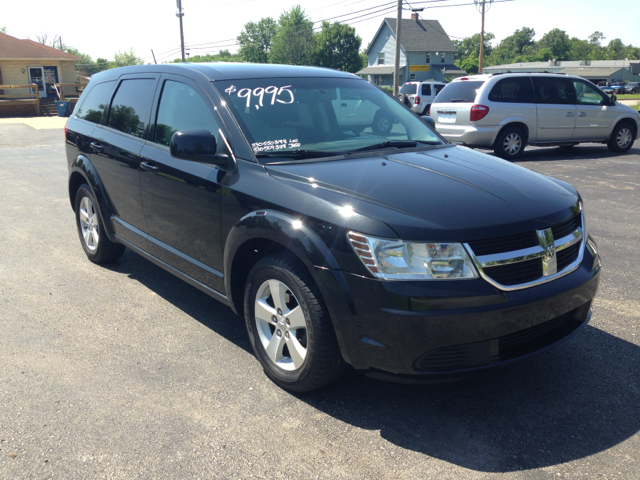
549 273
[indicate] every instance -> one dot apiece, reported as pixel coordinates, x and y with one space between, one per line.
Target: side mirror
428 120
198 146
613 98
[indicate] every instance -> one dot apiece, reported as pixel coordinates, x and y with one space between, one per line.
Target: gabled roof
419 35
14 48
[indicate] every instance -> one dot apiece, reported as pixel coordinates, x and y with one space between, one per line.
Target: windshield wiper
300 153
393 144
456 100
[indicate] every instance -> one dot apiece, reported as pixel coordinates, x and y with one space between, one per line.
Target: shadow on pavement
579 152
565 404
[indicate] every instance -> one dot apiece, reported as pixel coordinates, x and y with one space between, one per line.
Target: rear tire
382 124
510 143
289 327
95 243
621 138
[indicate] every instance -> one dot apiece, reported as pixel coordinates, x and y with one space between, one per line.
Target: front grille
508 243
565 228
506 347
567 256
516 273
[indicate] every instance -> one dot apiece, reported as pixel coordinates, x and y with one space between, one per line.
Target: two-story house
426 52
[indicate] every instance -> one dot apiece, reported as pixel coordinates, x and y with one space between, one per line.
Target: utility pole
481 40
154 57
396 60
180 14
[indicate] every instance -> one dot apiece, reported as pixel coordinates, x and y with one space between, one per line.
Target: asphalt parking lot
127 372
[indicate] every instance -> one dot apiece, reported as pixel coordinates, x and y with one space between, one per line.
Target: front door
556 109
595 117
181 198
50 79
36 75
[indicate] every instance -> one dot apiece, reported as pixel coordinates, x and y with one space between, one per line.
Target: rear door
556 109
453 104
595 118
182 198
116 150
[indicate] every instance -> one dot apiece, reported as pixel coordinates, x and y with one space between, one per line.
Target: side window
512 90
182 108
588 94
93 108
381 58
438 88
131 107
428 60
554 90
426 89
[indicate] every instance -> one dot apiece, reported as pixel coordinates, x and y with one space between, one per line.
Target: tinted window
438 88
459 92
409 88
131 106
93 107
181 109
589 94
512 90
554 90
426 89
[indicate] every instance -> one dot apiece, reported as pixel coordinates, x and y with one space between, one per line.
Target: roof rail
513 73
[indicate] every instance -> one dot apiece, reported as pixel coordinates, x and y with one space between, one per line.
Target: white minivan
508 111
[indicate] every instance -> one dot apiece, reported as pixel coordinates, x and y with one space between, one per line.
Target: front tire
289 327
382 124
621 138
510 143
95 243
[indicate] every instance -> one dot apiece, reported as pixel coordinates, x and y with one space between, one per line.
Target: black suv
274 190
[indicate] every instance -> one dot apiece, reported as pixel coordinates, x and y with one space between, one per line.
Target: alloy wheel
89 224
281 325
512 144
383 124
624 137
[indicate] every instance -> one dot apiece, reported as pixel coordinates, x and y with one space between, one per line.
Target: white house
426 52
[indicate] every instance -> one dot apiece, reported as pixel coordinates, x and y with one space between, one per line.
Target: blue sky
101 28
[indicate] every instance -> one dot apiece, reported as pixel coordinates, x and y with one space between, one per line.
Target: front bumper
469 135
443 329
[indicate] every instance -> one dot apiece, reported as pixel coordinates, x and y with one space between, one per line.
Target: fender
84 167
624 116
518 119
307 245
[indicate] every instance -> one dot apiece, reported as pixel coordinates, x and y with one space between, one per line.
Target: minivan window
554 90
93 107
298 117
131 107
512 90
409 88
464 91
426 89
182 108
588 94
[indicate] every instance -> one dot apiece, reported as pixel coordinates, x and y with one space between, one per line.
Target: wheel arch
514 123
627 120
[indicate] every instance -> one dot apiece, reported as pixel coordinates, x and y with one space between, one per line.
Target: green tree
3 29
294 44
468 56
596 38
579 49
337 46
123 59
558 42
256 40
513 46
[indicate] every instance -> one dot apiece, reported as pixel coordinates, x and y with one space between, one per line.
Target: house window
442 58
428 58
381 58
412 76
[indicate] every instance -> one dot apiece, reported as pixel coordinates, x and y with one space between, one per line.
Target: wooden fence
69 91
14 104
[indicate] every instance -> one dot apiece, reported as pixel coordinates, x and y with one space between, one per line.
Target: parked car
508 111
632 87
397 253
419 95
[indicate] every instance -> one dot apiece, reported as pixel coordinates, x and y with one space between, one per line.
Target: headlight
397 260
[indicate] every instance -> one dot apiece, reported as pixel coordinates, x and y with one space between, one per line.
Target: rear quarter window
93 107
464 92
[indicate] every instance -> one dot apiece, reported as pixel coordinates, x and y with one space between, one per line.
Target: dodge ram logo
551 250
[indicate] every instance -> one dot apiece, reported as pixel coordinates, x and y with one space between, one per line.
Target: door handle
582 114
96 146
148 167
570 114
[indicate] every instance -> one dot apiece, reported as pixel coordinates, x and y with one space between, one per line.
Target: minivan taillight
65 129
478 112
417 100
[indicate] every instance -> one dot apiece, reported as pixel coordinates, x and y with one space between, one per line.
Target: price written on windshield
280 95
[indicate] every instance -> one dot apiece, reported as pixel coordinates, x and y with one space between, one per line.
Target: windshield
299 118
463 91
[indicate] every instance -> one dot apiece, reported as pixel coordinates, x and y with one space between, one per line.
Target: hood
440 194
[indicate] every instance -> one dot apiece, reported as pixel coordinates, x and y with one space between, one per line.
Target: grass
629 96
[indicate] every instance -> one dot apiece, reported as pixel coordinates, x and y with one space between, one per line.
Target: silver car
508 111
419 95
